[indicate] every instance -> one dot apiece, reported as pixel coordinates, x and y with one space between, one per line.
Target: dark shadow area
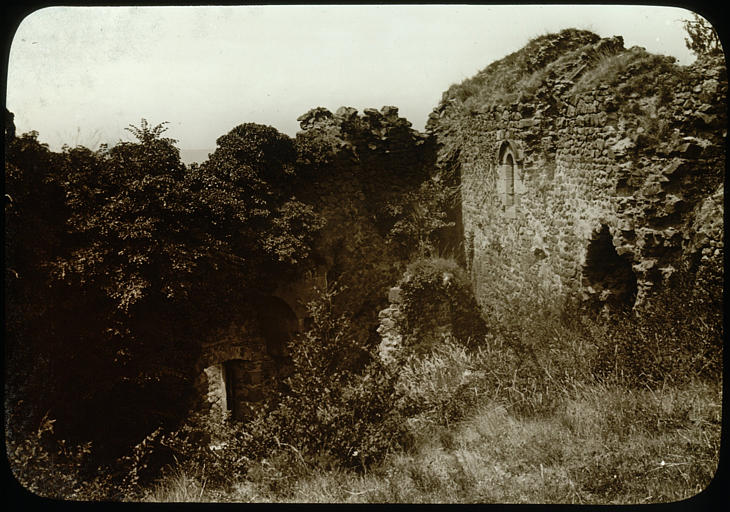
609 274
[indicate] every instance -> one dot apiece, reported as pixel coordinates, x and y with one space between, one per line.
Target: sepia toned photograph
364 254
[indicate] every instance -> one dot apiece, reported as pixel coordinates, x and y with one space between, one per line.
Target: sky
80 75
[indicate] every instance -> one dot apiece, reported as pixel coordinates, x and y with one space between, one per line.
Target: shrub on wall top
437 300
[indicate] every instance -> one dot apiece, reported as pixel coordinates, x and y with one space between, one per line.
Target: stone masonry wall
238 368
602 138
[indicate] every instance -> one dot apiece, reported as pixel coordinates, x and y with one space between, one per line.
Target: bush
52 468
442 386
436 300
208 449
333 413
676 337
423 218
205 449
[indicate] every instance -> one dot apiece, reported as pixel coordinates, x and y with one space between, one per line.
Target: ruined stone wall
602 167
374 160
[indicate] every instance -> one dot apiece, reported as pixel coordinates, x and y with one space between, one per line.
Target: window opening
509 167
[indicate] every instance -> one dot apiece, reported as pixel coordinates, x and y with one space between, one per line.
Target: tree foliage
247 187
34 229
702 39
149 254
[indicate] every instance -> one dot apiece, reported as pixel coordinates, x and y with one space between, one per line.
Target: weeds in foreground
676 338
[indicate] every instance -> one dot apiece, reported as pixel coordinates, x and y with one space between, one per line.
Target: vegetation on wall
371 176
436 300
503 80
333 410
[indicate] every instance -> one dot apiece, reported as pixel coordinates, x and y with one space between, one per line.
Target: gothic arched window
509 184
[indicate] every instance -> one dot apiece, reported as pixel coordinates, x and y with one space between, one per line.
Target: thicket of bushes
145 251
335 414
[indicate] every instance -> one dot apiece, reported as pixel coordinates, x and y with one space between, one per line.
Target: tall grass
601 445
484 433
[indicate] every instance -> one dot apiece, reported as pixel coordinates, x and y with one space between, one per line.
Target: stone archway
278 324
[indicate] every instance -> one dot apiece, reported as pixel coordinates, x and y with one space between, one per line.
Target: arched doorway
237 375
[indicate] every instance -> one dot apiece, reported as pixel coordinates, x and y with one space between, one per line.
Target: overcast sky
82 74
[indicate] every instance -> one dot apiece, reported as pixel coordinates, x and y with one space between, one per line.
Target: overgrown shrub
206 448
702 38
55 469
676 337
443 385
332 411
209 449
436 300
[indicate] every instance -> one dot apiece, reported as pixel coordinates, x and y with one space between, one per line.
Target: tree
34 231
151 255
130 216
702 38
248 185
125 265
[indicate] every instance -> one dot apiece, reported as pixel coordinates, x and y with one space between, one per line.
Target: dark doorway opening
608 273
233 375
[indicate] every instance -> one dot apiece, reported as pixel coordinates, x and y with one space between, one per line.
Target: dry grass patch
601 445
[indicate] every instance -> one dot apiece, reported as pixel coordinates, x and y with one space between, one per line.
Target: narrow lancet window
509 180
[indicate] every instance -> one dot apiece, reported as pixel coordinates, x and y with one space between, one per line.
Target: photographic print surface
364 254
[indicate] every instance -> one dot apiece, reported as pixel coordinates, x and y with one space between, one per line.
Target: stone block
394 294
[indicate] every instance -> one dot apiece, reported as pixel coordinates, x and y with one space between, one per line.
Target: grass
484 435
601 445
644 68
178 486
